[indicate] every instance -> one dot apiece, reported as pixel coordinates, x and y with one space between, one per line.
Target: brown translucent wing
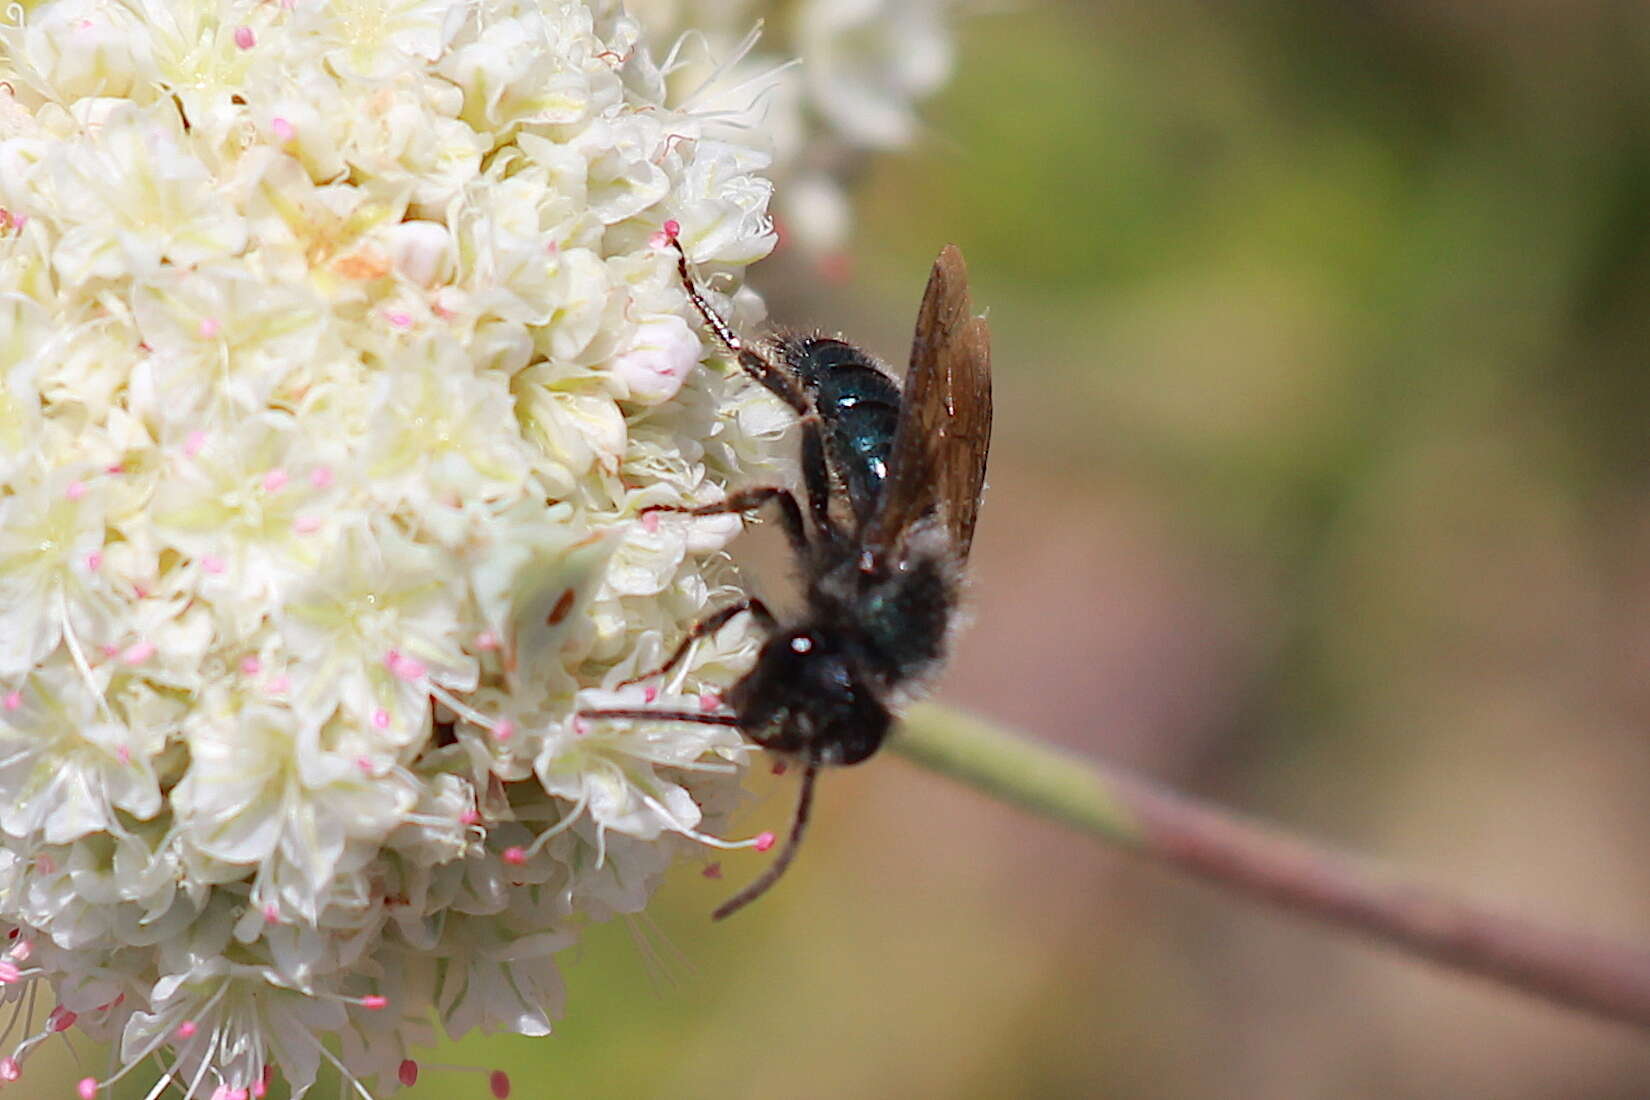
938 458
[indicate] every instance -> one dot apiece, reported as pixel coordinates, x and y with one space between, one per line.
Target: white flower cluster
338 354
864 67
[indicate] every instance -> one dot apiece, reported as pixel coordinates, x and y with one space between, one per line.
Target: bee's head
805 697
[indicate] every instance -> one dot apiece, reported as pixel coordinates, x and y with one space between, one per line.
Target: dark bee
892 480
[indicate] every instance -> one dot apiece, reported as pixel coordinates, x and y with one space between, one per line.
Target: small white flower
661 353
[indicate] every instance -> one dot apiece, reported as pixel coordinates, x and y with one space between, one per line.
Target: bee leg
816 481
637 714
710 624
753 362
748 500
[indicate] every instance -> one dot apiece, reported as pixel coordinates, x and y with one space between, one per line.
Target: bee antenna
799 825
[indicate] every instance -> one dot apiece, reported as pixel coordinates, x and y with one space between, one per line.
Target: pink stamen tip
125 754
499 1082
9 972
282 128
237 1094
764 841
63 1020
306 525
87 1088
673 228
321 477
651 693
469 817
244 38
381 719
76 490
372 1002
10 1069
21 950
278 685
398 319
486 640
712 870
221 1093
46 864
260 1089
209 327
274 480
14 699
780 767
272 915
187 1029
504 729
515 856
363 765
94 561
114 468
213 564
250 665
709 701
193 443
407 1073
405 668
581 726
138 652
650 523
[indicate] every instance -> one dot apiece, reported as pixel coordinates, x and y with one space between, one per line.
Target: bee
892 477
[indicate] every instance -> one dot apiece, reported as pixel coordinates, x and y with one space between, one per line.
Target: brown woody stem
1571 968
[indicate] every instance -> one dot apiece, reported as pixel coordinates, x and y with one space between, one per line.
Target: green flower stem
1570 968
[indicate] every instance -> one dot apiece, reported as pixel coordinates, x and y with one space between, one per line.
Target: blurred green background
1320 489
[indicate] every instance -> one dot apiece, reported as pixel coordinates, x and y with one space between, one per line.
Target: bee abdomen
859 407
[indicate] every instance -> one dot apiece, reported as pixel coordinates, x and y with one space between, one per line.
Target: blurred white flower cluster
864 67
338 353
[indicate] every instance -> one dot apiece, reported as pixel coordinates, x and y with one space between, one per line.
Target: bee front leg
710 624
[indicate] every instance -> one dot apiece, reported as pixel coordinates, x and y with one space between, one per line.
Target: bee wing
944 432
